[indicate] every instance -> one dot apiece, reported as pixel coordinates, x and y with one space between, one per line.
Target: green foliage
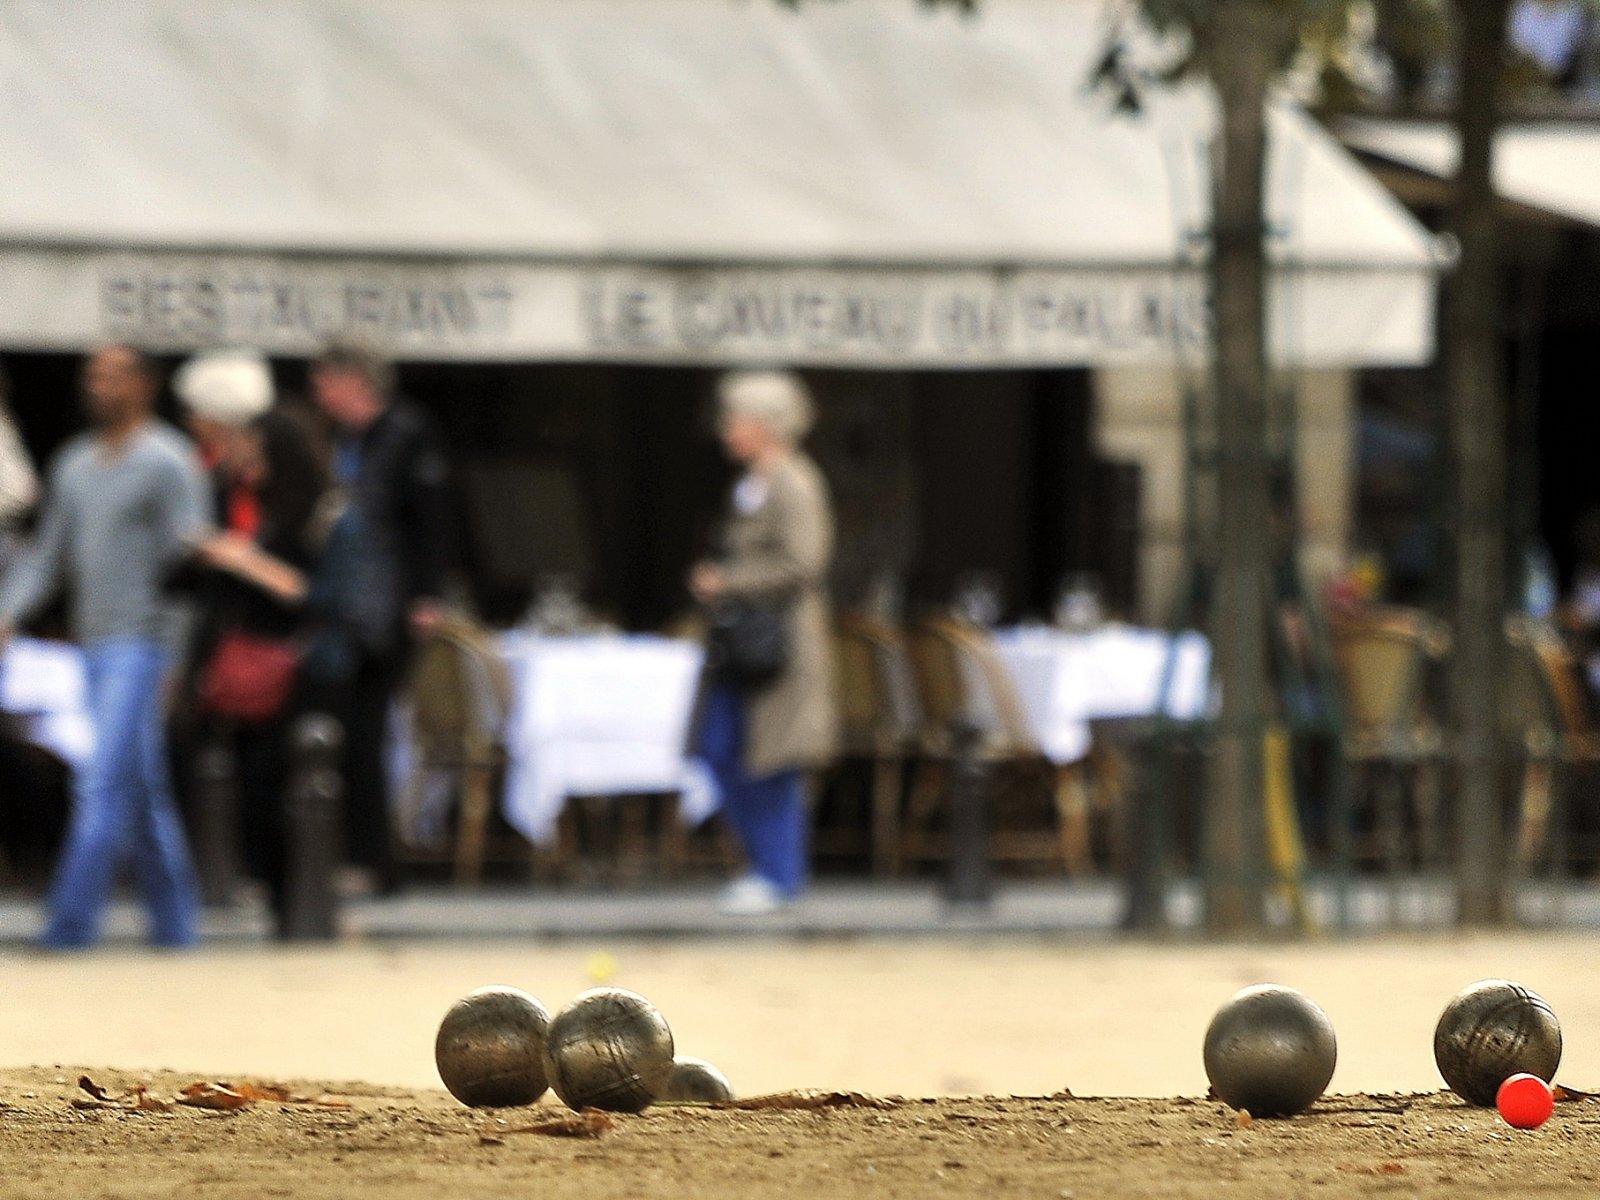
1324 41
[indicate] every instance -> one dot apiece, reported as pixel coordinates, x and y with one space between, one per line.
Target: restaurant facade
564 220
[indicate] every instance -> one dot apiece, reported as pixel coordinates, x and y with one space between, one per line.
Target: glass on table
1078 605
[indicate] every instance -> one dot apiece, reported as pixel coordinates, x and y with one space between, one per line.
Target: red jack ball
1525 1101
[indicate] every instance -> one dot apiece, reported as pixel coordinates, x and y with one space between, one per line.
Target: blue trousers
123 810
768 814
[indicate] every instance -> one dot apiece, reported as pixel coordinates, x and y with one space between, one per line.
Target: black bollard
213 776
1147 883
1163 757
312 829
967 883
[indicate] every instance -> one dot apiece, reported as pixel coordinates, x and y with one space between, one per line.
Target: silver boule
697 1080
1490 1031
609 1048
1270 1050
490 1048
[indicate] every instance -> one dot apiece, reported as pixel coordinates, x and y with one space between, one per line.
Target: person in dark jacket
387 458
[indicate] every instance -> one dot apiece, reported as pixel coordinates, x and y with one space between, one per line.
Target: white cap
232 387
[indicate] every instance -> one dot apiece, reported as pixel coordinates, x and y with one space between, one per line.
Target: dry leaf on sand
139 1099
222 1096
218 1097
590 1123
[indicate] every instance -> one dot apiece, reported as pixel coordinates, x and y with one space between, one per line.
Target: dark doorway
1007 484
612 474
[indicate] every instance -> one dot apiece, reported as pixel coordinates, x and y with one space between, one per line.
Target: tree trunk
1476 389
1245 41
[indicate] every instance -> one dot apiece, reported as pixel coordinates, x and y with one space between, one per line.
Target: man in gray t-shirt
125 503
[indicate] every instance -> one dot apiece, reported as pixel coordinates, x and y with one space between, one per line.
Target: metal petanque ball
609 1048
697 1080
1492 1030
490 1048
1270 1050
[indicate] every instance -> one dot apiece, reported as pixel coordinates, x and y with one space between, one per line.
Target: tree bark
1245 45
1476 391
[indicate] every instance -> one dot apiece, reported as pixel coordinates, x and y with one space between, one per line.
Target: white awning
1550 166
649 180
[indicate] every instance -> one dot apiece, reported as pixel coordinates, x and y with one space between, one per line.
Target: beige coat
779 553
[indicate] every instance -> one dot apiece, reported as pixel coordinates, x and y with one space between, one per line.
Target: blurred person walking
244 686
125 503
765 590
387 458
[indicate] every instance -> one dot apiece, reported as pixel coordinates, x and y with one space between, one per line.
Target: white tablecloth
599 716
1065 680
590 716
43 682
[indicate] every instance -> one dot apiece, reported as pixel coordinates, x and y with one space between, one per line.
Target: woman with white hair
768 712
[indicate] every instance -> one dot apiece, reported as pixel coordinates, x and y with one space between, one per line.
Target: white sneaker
750 896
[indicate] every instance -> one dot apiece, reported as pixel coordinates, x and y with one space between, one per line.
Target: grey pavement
833 909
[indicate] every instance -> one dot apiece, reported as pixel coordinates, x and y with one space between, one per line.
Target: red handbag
248 678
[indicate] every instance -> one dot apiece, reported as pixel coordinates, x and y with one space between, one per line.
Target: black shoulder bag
747 644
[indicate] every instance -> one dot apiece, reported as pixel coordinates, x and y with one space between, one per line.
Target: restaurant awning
1553 167
710 181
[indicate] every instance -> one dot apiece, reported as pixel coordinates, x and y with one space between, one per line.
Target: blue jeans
768 814
122 807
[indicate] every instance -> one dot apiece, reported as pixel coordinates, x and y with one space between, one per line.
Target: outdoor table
1120 684
1065 680
599 715
42 683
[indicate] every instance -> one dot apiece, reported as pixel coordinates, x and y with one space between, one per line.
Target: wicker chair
458 695
1546 713
879 718
1382 659
962 681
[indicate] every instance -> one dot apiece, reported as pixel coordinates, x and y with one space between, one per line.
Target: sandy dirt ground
950 1019
412 1145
